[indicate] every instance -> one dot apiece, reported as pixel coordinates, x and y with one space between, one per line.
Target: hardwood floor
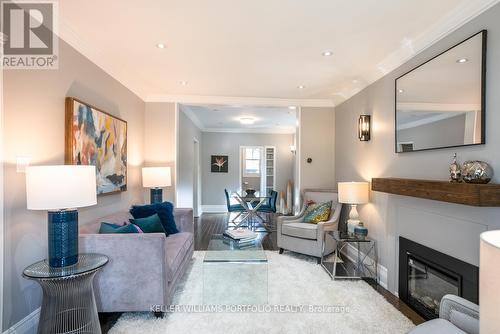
216 223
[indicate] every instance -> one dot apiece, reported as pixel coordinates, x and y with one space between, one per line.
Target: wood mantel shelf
461 193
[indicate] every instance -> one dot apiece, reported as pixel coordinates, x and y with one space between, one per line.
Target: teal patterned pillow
316 213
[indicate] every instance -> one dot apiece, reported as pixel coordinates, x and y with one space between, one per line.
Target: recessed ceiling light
462 60
355 81
160 46
301 86
327 53
247 120
401 91
183 83
292 107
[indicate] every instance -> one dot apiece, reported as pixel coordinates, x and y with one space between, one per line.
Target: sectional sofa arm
184 219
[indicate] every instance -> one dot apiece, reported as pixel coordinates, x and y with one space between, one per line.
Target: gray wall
213 184
34 128
443 133
449 228
317 141
188 131
159 142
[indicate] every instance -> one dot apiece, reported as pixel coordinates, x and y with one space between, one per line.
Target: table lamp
353 193
155 178
489 281
60 190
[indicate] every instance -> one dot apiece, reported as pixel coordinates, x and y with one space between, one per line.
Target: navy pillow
164 210
107 228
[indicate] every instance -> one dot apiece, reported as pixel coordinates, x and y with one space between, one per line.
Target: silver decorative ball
476 172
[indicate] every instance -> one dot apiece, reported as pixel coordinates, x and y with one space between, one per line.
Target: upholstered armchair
310 239
456 316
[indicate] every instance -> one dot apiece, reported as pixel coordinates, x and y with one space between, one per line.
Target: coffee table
234 274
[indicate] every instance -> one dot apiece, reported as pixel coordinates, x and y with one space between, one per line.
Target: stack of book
241 237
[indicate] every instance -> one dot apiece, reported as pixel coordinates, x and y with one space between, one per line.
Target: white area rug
293 280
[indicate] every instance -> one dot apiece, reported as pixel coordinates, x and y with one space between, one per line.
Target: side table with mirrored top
68 304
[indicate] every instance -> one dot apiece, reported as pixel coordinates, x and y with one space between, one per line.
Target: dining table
251 204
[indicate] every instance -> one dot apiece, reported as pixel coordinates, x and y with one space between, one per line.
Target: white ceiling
259 48
226 118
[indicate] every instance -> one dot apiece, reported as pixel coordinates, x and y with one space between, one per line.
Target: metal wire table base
69 305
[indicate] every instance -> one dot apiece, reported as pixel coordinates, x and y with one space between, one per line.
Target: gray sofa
143 268
456 316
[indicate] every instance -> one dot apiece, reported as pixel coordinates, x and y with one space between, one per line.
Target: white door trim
196 178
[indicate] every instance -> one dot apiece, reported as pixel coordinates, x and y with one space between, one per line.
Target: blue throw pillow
164 210
151 224
107 228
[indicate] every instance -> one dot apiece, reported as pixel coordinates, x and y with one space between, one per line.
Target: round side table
68 304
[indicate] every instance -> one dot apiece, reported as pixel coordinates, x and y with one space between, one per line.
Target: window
252 158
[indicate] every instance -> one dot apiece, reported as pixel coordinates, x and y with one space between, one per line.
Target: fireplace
426 275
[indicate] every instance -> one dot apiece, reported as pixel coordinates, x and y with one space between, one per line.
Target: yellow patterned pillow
316 213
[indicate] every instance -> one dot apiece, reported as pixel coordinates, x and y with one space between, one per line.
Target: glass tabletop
222 249
346 237
257 195
86 263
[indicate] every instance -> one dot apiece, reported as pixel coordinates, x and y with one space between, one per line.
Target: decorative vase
360 231
477 172
455 170
250 192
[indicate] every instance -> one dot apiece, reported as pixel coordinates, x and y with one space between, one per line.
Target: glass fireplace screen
427 285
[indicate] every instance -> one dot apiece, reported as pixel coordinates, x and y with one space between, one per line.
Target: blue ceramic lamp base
156 195
63 238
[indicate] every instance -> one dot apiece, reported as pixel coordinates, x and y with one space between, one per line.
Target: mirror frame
484 34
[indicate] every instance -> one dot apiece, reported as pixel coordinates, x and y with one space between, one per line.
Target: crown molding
409 48
236 100
192 116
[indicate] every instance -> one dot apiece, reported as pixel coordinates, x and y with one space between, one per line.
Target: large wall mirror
441 103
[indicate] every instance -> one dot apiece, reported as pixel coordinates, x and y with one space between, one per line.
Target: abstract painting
94 137
219 163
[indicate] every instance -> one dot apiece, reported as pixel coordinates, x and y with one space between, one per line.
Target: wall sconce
364 127
293 149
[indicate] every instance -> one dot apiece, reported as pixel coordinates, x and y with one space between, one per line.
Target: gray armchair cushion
300 230
437 326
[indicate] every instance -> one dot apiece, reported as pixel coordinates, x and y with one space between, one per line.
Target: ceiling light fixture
401 91
462 60
160 46
247 120
327 53
301 86
292 107
183 83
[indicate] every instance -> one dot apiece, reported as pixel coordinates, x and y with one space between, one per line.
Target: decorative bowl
476 172
250 192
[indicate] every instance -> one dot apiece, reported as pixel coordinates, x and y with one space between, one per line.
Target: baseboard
351 253
213 208
27 325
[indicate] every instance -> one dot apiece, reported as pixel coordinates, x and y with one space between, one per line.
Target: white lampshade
156 177
353 192
60 187
489 282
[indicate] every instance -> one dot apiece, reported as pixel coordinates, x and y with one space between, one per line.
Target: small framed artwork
219 164
94 137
